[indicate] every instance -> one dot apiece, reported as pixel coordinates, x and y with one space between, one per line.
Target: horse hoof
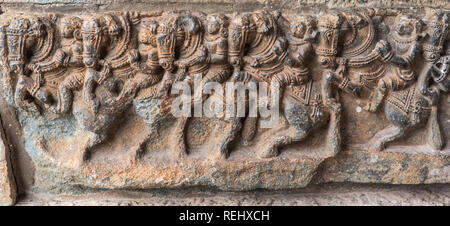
269 153
376 146
369 108
219 156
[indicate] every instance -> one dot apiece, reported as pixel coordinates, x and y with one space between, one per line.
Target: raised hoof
218 155
269 153
370 108
375 146
30 108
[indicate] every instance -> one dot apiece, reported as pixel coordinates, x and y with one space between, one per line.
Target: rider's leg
65 96
378 97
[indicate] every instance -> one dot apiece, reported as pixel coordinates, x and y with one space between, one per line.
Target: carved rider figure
441 68
192 54
25 41
405 42
97 32
216 41
69 55
303 32
144 61
433 50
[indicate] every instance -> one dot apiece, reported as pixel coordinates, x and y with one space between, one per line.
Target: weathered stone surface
361 101
324 195
7 183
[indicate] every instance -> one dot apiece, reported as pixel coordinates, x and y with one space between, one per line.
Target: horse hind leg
283 138
249 130
389 134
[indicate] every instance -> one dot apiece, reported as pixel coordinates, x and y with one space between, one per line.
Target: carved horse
106 41
408 108
183 56
25 42
362 69
349 53
257 52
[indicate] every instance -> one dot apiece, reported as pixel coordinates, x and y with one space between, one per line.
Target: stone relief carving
82 76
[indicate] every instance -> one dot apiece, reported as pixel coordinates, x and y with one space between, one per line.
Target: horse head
97 33
329 39
23 37
166 40
436 35
304 28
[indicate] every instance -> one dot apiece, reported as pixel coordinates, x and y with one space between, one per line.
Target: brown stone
364 95
7 183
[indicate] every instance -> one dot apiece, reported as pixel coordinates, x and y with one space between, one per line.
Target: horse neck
432 50
262 44
121 46
191 46
43 46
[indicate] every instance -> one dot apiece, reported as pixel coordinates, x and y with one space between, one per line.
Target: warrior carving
259 52
405 43
303 33
70 55
355 53
216 42
144 61
181 34
27 41
97 33
433 52
409 102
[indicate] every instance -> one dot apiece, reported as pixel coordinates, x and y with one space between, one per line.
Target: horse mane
45 45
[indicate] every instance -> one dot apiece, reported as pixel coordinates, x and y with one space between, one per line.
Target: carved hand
36 75
106 71
342 68
133 56
383 48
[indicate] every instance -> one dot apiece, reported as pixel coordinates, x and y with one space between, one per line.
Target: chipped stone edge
7 197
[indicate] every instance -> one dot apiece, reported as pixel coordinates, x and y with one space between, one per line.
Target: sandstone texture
86 108
324 195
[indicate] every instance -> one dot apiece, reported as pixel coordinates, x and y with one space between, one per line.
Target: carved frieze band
48 61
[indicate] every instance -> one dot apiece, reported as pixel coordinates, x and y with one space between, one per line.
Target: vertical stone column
7 184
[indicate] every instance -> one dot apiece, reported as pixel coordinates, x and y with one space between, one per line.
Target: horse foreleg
178 144
434 136
231 130
249 130
23 86
334 140
327 92
89 91
377 97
